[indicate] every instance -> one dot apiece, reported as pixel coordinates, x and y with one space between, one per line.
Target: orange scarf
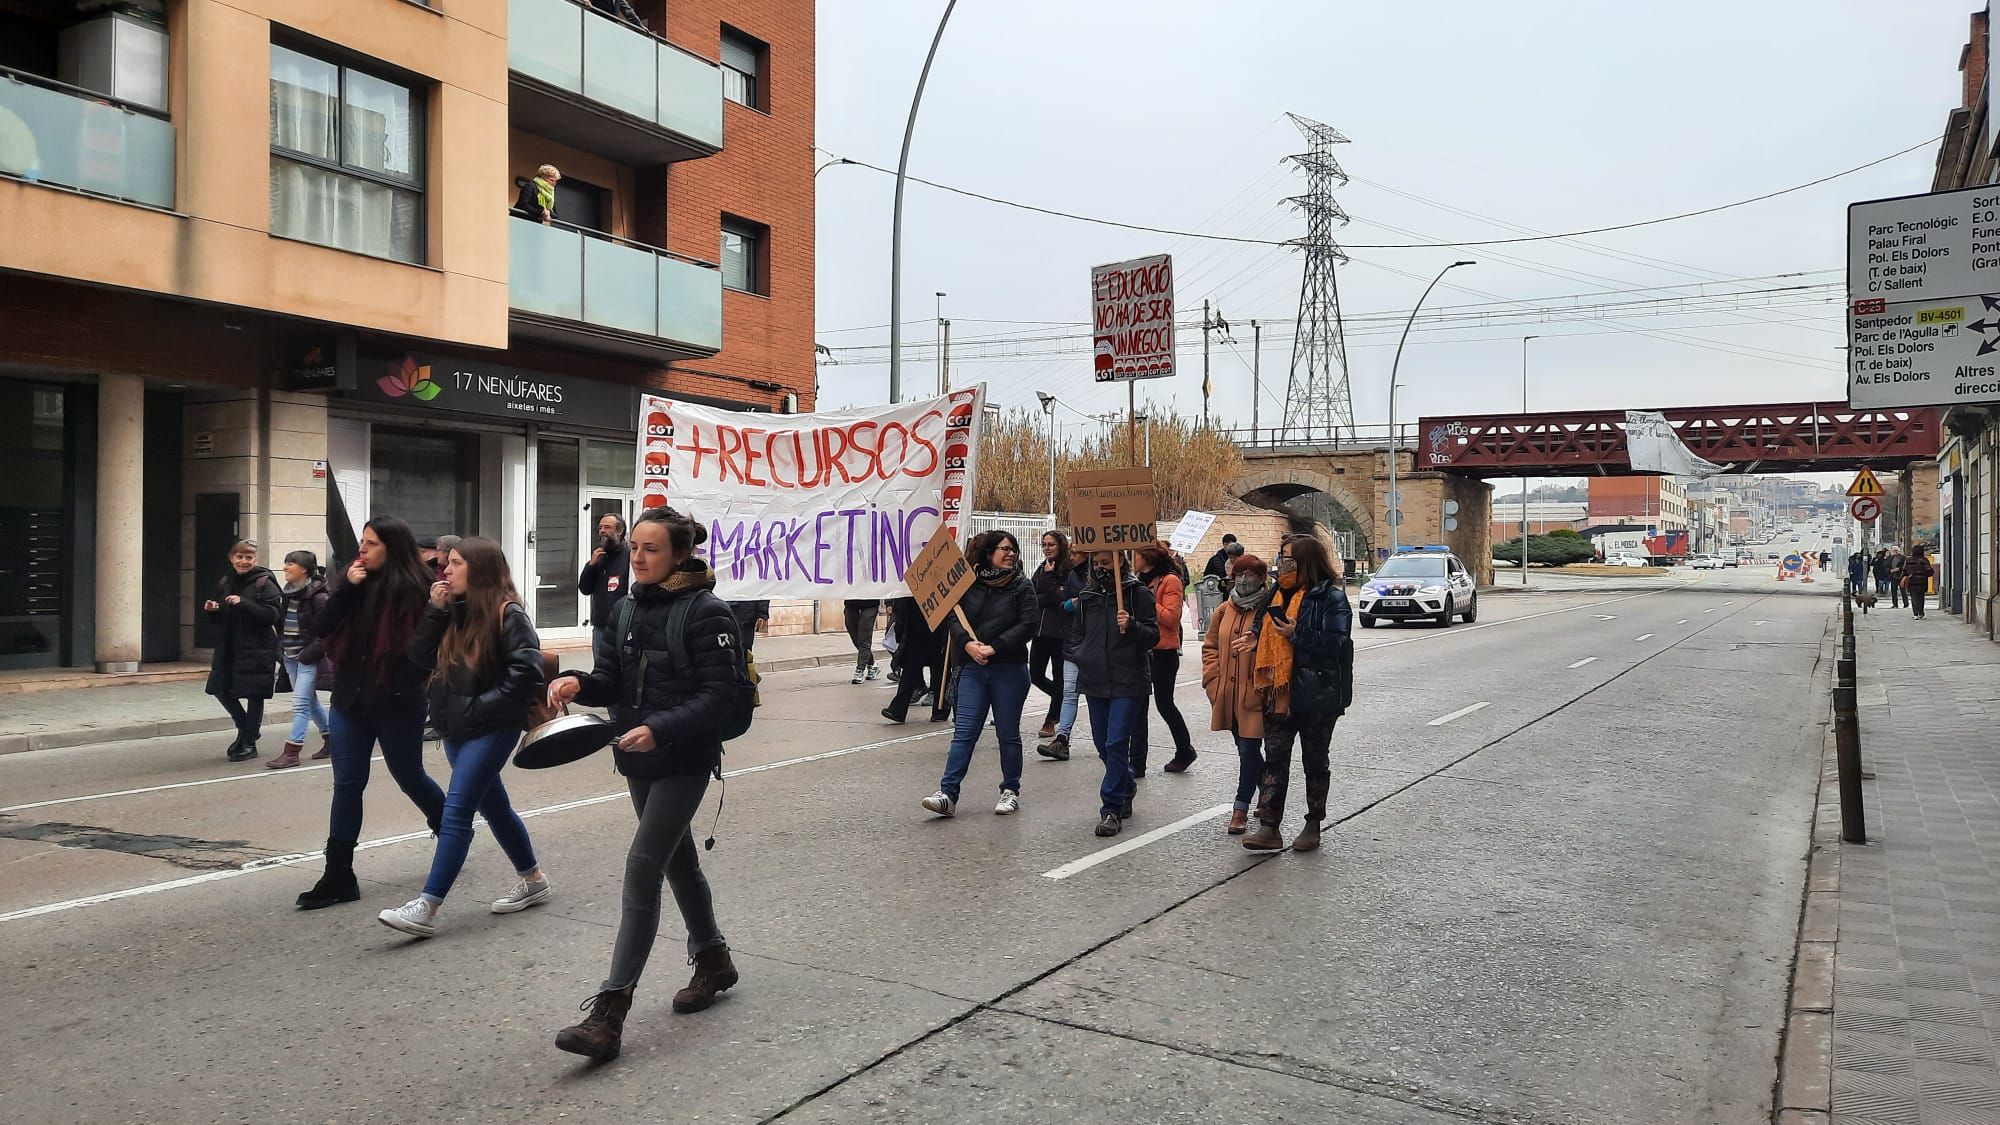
1274 652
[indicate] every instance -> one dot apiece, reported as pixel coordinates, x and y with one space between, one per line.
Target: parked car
1418 583
1627 560
1708 562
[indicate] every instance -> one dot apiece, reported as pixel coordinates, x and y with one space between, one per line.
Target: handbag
284 681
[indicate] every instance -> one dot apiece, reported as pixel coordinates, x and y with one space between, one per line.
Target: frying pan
562 740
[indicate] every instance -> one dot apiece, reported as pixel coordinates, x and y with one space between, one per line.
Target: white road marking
1728 603
1710 609
1760 623
1605 616
164 788
1643 637
1578 664
1078 866
1461 713
270 863
1682 621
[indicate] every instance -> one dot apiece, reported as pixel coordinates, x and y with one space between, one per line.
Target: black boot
602 1032
714 973
336 884
1055 749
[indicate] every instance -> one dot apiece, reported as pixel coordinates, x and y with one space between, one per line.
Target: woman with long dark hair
304 655
994 681
1045 659
1114 676
670 747
371 614
242 674
1159 571
1229 676
1305 664
484 665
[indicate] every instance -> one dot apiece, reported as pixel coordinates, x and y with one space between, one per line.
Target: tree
1194 466
1554 549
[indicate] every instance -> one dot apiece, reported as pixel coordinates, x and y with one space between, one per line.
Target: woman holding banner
1114 674
992 626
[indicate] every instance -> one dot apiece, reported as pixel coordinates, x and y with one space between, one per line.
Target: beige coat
1230 678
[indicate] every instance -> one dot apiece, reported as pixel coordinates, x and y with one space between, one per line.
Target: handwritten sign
829 505
1187 533
939 577
1132 319
1113 509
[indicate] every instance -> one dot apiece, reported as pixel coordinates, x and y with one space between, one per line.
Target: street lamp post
937 341
896 222
1524 472
1049 407
1395 451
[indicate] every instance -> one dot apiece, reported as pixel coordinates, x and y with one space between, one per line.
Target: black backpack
742 693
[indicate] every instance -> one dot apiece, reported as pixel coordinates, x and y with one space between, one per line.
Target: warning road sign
1865 509
1865 484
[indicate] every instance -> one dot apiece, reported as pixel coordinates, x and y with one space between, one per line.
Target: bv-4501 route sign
1923 288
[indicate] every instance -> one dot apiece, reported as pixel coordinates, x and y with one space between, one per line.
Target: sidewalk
1916 998
44 720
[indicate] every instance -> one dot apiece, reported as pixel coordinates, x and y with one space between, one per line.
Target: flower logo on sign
409 379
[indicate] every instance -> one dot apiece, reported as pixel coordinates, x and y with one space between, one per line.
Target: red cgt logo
409 379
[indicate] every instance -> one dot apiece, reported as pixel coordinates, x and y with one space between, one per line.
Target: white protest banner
1132 317
1653 447
1188 532
830 505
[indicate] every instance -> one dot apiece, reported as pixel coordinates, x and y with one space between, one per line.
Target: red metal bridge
1795 437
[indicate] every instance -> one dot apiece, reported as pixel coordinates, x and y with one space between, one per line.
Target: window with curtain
742 68
743 254
346 157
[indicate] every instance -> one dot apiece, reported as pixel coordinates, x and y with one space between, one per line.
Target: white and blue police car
1419 583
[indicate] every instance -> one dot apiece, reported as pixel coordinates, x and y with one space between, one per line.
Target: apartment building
261 279
1653 500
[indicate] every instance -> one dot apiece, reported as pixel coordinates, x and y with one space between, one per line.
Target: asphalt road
1564 887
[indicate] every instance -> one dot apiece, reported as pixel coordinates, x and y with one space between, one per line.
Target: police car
1419 582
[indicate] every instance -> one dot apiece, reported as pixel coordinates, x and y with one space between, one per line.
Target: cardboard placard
1113 509
938 577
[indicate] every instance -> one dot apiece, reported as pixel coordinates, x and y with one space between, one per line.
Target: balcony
66 137
583 78
582 288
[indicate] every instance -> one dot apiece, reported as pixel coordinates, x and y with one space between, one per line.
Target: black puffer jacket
1004 617
1051 588
1111 664
373 675
245 663
466 704
634 677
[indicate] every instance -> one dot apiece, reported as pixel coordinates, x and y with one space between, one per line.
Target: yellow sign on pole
1865 484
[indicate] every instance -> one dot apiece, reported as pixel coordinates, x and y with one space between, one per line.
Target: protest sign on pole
829 505
1113 510
1132 317
1188 532
939 578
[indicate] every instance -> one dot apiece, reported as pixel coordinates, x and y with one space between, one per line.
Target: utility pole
1256 376
1209 323
937 342
944 363
1524 475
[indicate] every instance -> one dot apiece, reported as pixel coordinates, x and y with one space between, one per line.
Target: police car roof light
1426 547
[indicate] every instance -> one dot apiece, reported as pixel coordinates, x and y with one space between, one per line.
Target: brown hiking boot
1264 838
602 1032
1239 822
325 750
714 973
287 759
1308 838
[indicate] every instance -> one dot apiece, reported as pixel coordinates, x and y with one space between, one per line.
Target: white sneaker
1010 802
858 674
940 803
524 895
874 671
414 917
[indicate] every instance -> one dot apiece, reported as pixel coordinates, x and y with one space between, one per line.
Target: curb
1805 1061
127 732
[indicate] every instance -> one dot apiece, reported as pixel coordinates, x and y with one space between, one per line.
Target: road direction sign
1793 564
1923 287
1865 509
1865 483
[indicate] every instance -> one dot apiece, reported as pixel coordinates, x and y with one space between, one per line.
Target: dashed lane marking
1078 866
1643 637
1578 664
1461 713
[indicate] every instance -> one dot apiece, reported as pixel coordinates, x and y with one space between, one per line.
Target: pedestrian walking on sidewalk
1879 567
1001 609
1305 664
304 656
1917 575
1897 596
1075 582
371 614
670 747
482 661
860 614
1229 676
242 673
919 654
1051 583
1857 573
1162 578
1114 675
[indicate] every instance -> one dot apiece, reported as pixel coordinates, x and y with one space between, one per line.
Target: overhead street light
1395 449
896 221
1049 408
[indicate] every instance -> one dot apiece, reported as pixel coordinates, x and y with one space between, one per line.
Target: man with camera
607 574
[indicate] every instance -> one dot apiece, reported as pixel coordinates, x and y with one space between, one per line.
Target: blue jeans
1112 722
475 785
1002 690
353 739
1067 721
305 705
1250 769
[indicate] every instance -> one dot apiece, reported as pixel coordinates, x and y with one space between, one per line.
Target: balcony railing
635 297
570 48
83 140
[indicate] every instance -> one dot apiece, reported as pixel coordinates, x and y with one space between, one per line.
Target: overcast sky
1553 116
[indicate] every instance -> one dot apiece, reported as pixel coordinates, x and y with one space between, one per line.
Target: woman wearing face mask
671 747
1158 571
483 660
243 671
370 616
1229 676
304 655
994 679
1305 666
1045 655
1075 582
1114 676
